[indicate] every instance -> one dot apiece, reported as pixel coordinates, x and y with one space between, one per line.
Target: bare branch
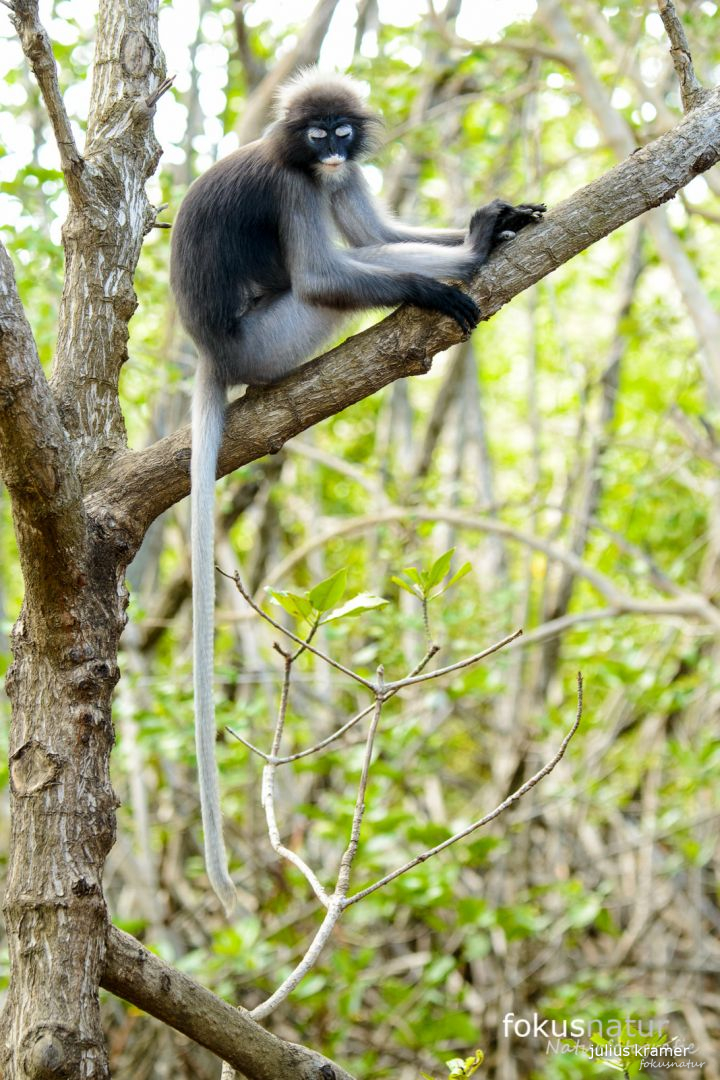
392 686
306 965
268 794
503 806
38 49
343 881
249 746
335 906
162 88
146 981
691 92
345 727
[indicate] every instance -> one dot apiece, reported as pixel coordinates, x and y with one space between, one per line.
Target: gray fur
262 284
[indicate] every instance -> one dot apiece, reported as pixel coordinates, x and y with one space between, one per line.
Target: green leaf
329 592
297 606
355 606
464 569
412 589
459 1068
415 576
439 568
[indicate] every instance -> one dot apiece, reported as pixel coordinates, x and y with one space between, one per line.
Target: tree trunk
82 504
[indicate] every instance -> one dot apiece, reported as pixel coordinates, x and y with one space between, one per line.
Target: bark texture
148 982
66 639
82 504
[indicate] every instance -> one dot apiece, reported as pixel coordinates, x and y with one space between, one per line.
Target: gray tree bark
82 503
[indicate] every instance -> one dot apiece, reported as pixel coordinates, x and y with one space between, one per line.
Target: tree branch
38 49
487 818
139 486
691 92
106 225
37 465
146 981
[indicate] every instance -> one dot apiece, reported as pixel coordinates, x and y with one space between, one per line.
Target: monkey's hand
433 295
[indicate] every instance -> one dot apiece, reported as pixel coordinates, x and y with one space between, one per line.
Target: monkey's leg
278 335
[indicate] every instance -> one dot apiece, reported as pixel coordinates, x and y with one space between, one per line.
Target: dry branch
514 797
38 49
691 92
138 976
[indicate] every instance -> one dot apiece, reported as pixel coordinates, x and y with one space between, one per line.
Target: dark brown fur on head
314 98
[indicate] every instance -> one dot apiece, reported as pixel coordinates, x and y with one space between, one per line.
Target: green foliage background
597 896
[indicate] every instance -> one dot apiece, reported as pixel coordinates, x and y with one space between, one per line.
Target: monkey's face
324 143
331 143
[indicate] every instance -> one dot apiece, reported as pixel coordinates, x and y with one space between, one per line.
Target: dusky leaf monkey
273 248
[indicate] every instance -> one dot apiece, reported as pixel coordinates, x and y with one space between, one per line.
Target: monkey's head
323 122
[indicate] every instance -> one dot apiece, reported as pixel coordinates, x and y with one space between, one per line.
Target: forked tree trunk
82 503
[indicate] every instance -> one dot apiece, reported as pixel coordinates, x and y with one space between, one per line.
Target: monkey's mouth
333 163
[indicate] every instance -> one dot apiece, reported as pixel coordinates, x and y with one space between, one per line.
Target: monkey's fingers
463 309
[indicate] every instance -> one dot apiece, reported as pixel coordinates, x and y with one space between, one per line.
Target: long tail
208 415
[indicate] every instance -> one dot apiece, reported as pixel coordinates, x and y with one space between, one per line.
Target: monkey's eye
317 133
343 131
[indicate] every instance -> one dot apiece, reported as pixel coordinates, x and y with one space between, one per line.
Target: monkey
273 248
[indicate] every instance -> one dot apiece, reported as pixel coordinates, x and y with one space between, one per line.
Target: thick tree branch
149 983
37 48
106 225
37 465
139 486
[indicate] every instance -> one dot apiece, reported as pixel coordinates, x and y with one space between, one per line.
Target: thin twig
411 680
268 794
334 904
426 623
691 92
38 50
294 637
348 725
162 88
511 799
343 880
251 747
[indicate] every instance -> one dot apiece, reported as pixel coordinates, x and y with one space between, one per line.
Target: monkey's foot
511 219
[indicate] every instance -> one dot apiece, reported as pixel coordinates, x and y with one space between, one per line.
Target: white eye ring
317 133
343 131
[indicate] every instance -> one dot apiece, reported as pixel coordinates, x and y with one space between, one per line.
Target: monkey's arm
362 221
326 275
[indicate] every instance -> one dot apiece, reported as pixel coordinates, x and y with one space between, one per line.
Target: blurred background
569 453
